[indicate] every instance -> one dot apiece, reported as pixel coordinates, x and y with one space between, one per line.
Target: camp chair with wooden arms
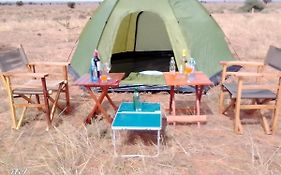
31 85
260 89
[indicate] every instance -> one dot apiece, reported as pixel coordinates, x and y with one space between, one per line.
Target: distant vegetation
254 5
71 5
19 3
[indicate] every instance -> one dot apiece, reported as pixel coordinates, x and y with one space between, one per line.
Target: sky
102 0
50 0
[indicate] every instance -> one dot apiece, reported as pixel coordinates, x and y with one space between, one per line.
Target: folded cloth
144 78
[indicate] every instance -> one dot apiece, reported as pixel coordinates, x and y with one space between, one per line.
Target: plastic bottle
93 71
172 67
136 100
183 61
192 63
97 63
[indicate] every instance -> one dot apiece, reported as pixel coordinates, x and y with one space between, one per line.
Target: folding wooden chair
21 79
261 89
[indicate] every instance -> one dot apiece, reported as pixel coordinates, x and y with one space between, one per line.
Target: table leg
111 102
101 97
158 142
114 142
172 106
172 94
97 105
199 90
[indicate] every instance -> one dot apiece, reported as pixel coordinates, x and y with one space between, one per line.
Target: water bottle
93 71
136 100
192 63
172 67
97 63
183 61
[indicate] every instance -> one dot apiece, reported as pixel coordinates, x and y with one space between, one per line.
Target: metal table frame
141 121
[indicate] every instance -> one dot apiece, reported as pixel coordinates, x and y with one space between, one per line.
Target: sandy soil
50 32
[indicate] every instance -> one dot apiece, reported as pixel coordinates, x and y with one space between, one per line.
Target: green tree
19 3
71 5
257 5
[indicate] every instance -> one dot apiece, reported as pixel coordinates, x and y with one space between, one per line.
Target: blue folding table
126 118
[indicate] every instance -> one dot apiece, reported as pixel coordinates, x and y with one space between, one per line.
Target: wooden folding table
176 79
104 86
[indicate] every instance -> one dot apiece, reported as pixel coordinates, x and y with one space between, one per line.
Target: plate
151 72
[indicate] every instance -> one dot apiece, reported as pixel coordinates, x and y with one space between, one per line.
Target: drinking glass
188 70
107 67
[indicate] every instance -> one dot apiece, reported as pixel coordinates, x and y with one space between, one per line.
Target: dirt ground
49 33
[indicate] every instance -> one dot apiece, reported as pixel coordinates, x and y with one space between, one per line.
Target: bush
253 4
71 5
19 3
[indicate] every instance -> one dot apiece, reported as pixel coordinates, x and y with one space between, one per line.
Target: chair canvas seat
249 94
35 87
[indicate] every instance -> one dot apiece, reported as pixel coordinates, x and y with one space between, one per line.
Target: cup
103 77
106 68
188 71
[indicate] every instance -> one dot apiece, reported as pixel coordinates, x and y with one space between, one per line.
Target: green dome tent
138 35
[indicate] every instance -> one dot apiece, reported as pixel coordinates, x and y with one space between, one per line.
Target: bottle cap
96 52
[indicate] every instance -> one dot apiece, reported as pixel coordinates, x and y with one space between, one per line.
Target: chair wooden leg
231 105
264 121
237 121
274 124
29 100
11 103
21 118
276 110
38 101
13 112
46 101
221 102
55 103
67 97
265 125
66 89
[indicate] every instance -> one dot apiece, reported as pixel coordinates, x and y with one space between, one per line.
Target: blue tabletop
145 107
149 118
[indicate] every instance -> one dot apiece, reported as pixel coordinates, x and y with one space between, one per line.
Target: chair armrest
49 63
63 65
241 63
253 74
25 74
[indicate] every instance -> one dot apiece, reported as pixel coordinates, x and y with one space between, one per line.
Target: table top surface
84 80
149 118
177 79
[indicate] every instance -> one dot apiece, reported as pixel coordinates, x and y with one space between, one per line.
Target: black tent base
149 60
152 88
141 61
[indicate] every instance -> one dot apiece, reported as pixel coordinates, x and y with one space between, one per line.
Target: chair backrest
12 59
273 57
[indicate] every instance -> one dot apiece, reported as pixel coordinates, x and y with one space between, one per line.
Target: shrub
19 3
253 4
71 5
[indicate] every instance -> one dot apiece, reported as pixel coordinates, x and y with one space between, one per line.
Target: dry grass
50 32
